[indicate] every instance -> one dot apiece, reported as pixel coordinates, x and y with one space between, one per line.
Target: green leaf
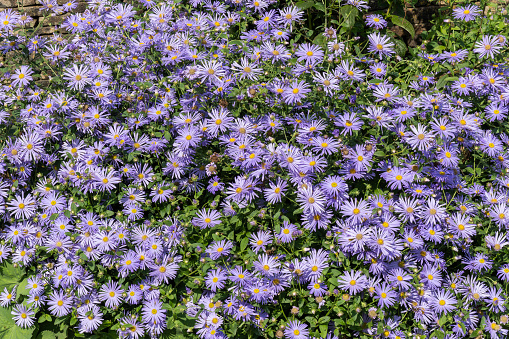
443 80
403 23
319 40
305 4
442 320
243 243
46 335
400 47
349 14
236 42
10 276
319 6
9 329
323 330
22 290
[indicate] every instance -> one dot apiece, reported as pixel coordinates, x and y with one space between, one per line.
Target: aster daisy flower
488 46
466 13
78 77
23 316
376 21
380 44
22 76
296 330
22 206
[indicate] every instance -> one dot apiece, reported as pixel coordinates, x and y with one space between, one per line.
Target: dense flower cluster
199 143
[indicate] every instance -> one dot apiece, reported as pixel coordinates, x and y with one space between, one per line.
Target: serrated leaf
10 276
305 4
319 6
400 47
319 40
442 320
349 13
46 335
9 329
403 23
243 243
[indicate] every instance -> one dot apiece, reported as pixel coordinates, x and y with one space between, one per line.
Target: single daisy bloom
22 207
488 46
22 76
23 316
443 302
153 313
78 77
296 330
376 21
380 44
353 281
466 13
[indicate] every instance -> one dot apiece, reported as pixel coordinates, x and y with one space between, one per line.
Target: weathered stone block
54 20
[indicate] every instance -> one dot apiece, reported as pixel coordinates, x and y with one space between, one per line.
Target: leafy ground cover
239 170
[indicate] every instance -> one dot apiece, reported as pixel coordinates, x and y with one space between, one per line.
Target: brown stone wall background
419 15
49 24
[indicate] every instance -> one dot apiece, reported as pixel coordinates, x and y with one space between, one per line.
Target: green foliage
9 329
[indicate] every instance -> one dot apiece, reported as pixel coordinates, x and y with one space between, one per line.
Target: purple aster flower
495 300
276 191
353 281
23 316
219 248
295 92
488 46
443 302
240 276
287 232
432 212
420 138
317 289
309 53
376 21
455 56
400 278
129 263
289 15
58 304
267 265
496 111
111 293
153 313
336 47
78 77
431 277
134 294
311 199
216 279
398 177
315 264
355 210
259 240
466 13
22 206
211 70
207 219
22 76
380 44
386 295
296 330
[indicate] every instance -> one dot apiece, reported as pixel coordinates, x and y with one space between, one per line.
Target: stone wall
31 8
